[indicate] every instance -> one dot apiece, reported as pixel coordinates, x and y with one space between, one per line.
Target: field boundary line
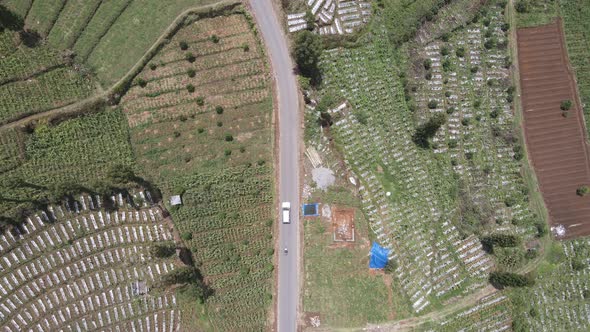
78 108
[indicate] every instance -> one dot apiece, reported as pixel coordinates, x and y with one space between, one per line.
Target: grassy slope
132 34
71 22
356 296
43 14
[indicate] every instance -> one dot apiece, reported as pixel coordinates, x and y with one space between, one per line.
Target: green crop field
76 151
34 80
200 122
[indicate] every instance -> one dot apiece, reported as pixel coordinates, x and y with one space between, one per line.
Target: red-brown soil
556 144
343 224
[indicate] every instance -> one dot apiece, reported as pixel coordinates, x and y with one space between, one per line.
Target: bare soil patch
343 224
556 143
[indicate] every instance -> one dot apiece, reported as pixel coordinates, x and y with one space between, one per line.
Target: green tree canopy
307 52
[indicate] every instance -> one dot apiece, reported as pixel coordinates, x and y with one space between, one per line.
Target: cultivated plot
554 132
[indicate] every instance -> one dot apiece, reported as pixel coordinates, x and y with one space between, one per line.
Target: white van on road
286 207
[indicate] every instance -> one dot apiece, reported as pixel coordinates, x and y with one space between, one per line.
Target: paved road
289 133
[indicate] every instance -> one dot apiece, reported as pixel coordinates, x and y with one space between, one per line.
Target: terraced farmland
557 141
79 266
100 31
33 80
200 117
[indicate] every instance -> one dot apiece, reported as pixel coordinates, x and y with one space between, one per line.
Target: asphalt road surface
289 133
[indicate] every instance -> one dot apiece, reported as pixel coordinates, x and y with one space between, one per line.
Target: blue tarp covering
311 210
378 256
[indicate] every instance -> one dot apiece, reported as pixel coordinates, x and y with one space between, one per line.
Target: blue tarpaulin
378 256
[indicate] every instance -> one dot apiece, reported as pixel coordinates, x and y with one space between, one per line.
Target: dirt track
556 144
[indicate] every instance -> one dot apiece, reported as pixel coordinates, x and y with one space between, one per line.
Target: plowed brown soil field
556 144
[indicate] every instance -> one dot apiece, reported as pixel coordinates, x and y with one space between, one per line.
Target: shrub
183 45
428 76
522 6
583 190
190 88
494 114
447 94
163 251
141 82
227 152
460 52
218 109
452 144
187 236
219 124
432 104
474 69
509 279
176 134
214 39
201 130
200 101
190 57
501 240
477 103
465 121
578 265
566 105
229 138
444 51
245 47
447 65
242 149
182 118
191 73
427 64
469 155
451 110
153 66
565 114
490 43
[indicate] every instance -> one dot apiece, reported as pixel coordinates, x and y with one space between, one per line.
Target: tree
432 104
566 105
10 20
183 45
218 109
310 20
191 73
509 279
307 52
30 38
428 129
190 88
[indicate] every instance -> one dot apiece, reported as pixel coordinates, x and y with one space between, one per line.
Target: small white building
175 200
